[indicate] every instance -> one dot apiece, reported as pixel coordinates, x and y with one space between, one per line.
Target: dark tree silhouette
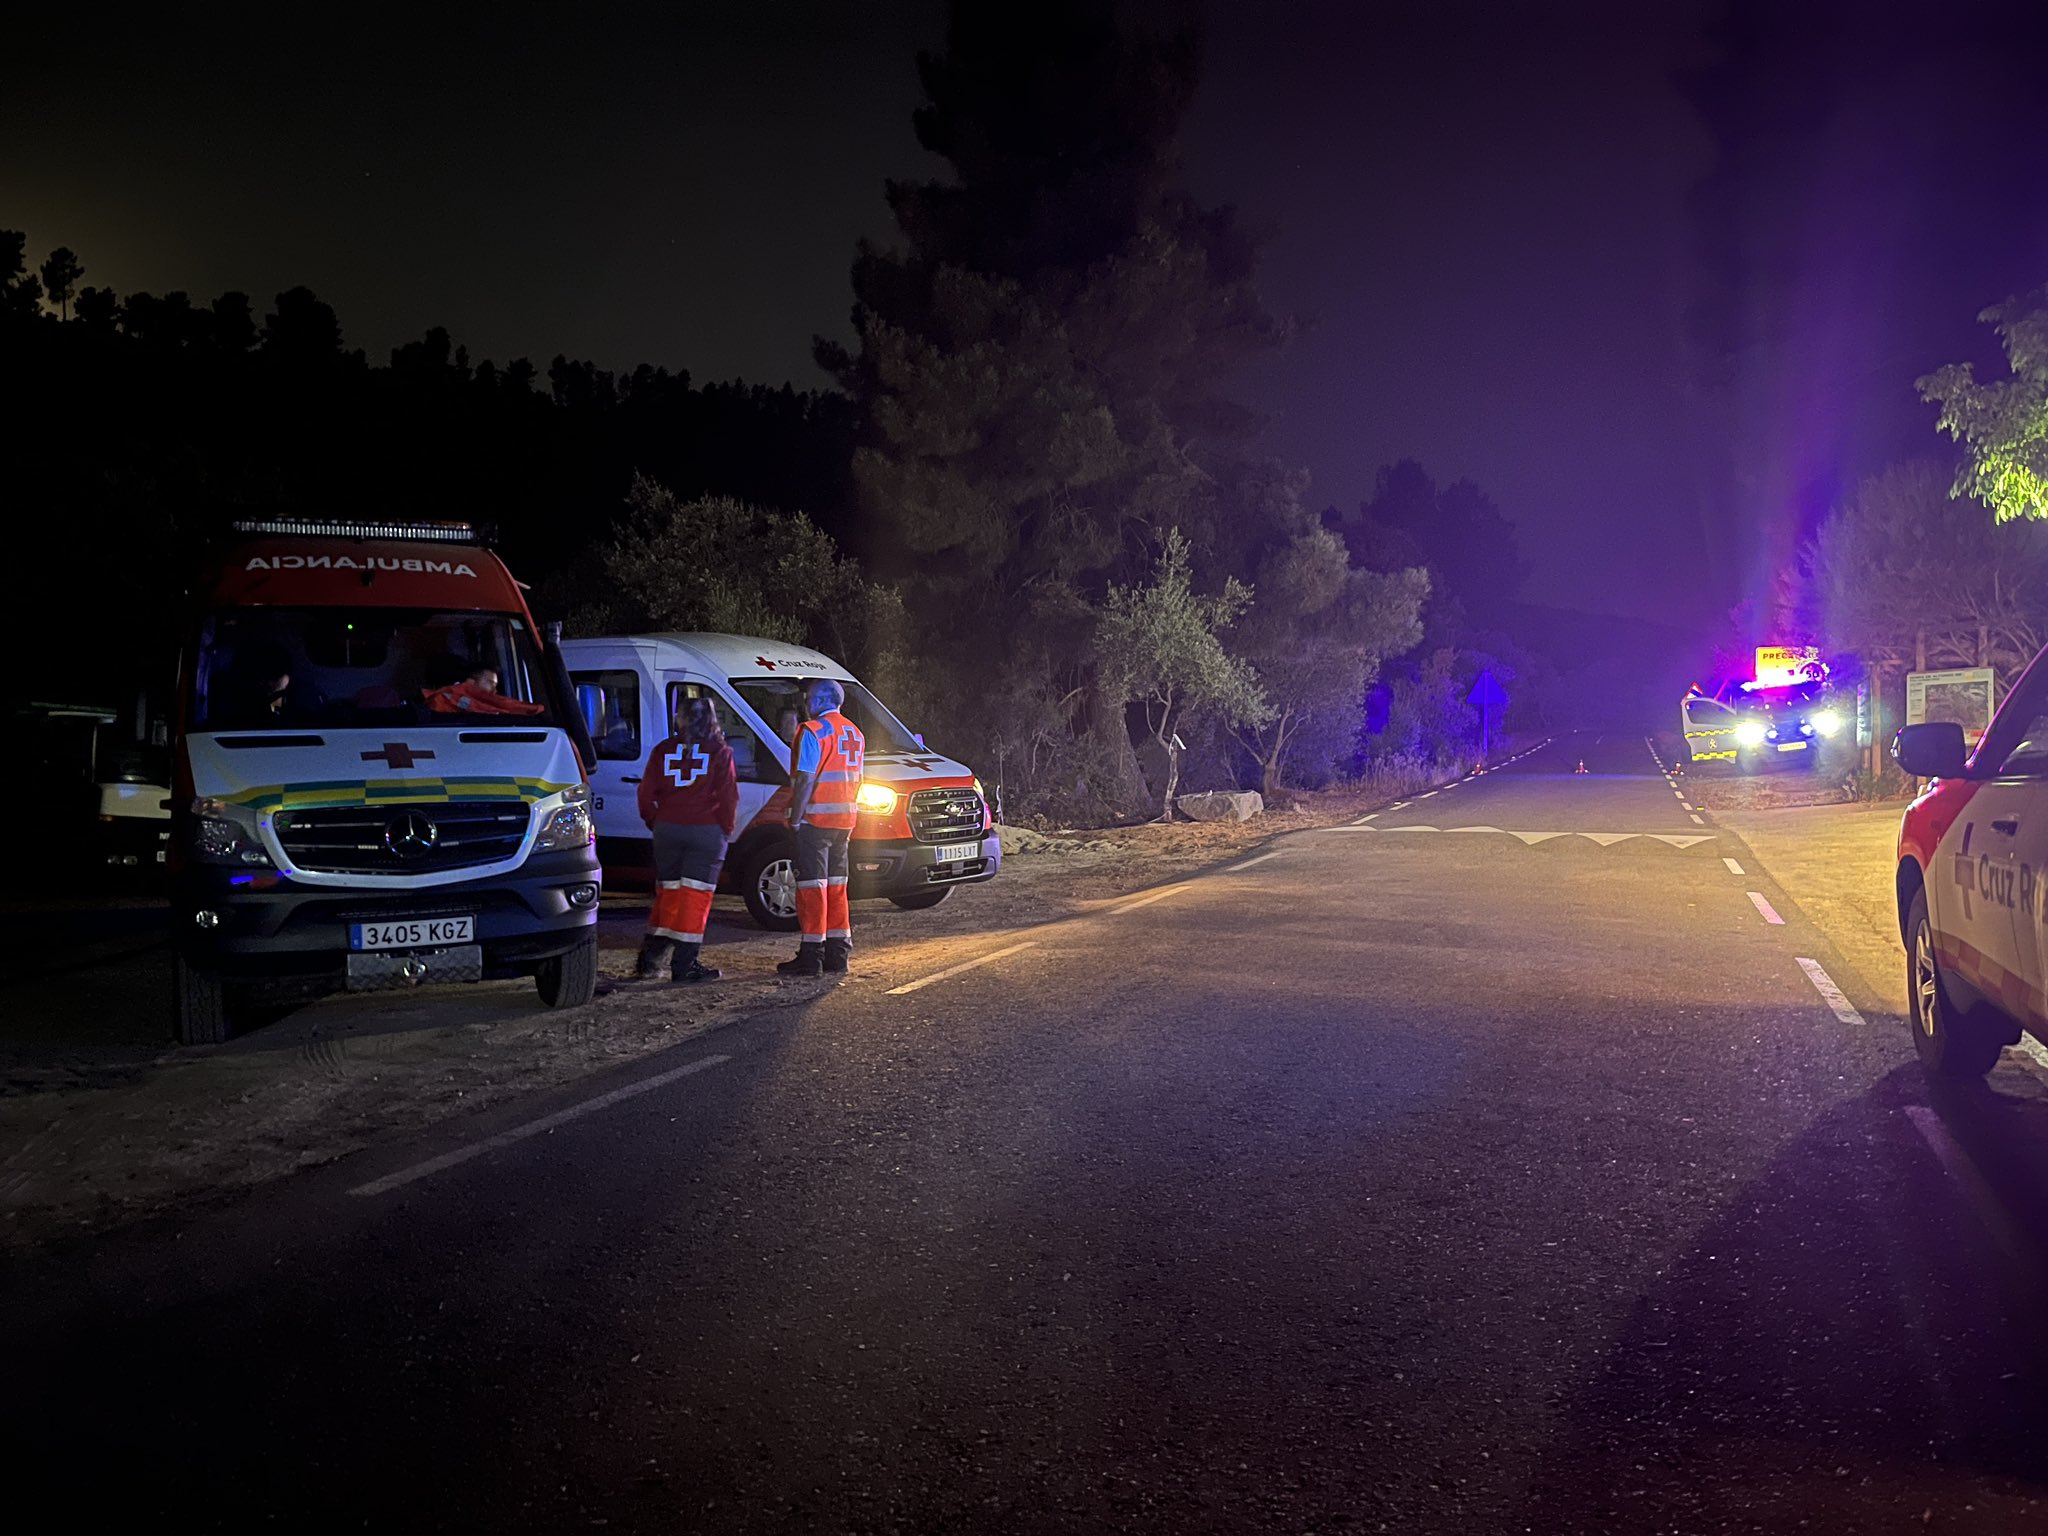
61 272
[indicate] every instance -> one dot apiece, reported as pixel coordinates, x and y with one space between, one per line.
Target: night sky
1507 228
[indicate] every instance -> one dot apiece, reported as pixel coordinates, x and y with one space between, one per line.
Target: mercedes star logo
410 835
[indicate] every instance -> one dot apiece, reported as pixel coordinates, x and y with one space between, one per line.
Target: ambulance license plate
955 853
1791 746
413 933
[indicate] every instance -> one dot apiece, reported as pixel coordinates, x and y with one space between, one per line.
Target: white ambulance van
925 824
350 807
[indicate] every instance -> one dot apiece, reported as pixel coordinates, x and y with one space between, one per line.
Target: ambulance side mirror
1931 751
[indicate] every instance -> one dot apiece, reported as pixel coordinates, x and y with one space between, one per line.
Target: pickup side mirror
1931 751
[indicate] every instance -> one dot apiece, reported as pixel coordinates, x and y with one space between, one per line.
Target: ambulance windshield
779 701
299 668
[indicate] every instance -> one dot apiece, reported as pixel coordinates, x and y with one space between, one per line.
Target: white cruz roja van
357 801
924 823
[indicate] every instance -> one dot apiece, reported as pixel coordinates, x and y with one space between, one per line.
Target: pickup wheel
767 882
1952 1044
570 980
919 901
201 1004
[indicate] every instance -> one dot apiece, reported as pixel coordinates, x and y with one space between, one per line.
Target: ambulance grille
403 839
939 815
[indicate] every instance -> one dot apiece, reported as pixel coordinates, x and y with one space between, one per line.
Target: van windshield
779 702
284 668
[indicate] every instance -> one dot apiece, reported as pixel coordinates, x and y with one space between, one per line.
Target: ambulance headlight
1750 733
225 833
875 799
1825 722
565 821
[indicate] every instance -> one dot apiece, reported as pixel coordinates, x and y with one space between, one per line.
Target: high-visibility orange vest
841 750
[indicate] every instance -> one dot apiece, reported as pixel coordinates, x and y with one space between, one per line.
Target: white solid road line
1364 819
1830 994
955 970
1733 867
460 1155
1146 901
1248 863
1769 912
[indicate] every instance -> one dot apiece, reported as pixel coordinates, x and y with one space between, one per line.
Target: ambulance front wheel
201 1001
1953 1044
569 981
918 901
767 882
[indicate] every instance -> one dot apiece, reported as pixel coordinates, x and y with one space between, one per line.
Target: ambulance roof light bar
321 528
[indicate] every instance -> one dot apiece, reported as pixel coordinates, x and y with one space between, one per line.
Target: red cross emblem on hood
396 754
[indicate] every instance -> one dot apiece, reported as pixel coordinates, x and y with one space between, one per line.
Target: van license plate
954 853
1791 746
412 933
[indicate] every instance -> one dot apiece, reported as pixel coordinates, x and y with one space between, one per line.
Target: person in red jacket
477 694
689 797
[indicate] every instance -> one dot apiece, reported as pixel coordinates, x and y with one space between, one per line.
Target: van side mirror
1931 751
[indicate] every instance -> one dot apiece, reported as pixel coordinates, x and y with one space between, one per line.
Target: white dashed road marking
1769 913
1955 1162
955 970
1733 867
1830 994
1145 901
519 1133
1248 863
1699 821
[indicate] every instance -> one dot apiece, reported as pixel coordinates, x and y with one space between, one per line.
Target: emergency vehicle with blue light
1972 882
1778 718
925 823
337 821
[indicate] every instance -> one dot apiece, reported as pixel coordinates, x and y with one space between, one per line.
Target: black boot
837 953
806 963
687 968
654 958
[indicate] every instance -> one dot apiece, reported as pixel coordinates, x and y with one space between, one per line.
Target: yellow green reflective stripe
439 791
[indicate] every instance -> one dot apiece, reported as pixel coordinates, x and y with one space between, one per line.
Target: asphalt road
1433 1175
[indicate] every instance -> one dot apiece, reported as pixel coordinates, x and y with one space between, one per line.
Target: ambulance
1972 883
924 825
378 776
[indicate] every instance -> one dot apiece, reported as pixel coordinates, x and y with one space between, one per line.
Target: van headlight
1825 721
565 821
226 833
1750 733
875 799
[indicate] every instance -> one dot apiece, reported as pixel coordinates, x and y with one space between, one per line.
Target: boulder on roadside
1221 805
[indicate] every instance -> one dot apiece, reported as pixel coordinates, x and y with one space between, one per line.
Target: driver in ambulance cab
823 804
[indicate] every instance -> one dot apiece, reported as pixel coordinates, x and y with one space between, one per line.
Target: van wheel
768 885
201 1003
919 901
569 981
1952 1044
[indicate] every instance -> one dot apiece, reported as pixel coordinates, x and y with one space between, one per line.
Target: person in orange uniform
689 796
822 807
477 694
